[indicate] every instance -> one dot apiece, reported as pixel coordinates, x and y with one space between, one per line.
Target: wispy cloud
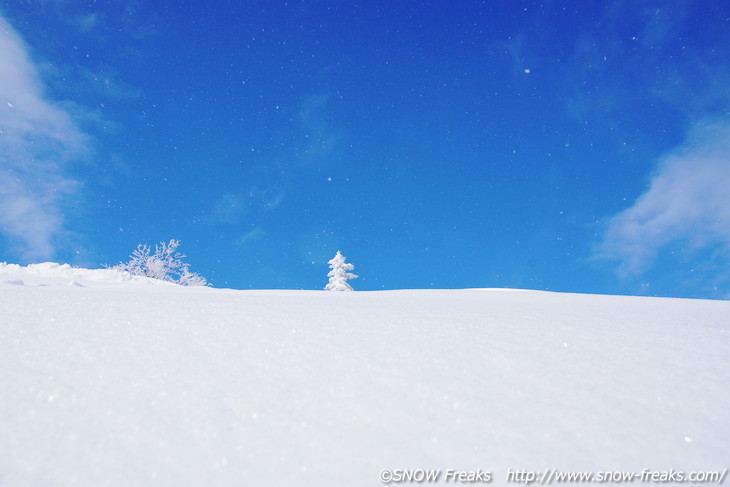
688 201
230 208
37 140
234 207
321 136
635 57
250 236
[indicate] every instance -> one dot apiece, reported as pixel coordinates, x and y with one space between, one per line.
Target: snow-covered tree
188 278
339 274
165 264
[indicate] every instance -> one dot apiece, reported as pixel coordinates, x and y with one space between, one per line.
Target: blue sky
566 146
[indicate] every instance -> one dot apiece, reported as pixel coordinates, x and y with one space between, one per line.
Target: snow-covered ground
108 379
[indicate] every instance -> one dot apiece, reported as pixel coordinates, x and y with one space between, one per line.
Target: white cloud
322 138
249 236
688 201
233 207
230 208
37 140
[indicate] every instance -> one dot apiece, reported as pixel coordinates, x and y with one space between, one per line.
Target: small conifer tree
339 274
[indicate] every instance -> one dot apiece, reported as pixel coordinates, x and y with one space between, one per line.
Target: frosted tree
339 274
188 278
165 264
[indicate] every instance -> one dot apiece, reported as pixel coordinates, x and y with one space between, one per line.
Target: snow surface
109 379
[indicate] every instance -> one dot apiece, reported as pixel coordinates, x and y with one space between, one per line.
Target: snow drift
115 381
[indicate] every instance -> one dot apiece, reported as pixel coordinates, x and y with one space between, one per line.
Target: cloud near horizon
688 201
37 140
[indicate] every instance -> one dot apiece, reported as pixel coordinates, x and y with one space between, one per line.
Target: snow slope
111 380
